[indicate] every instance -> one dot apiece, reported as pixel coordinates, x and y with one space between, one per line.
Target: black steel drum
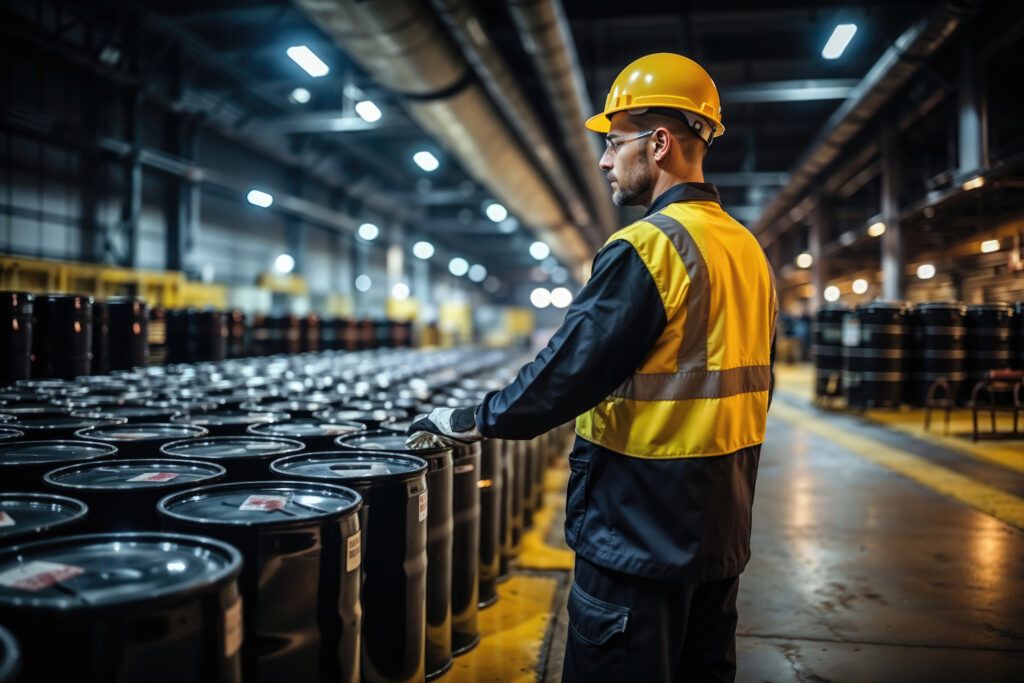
10 657
440 530
26 517
316 433
124 608
1018 336
300 545
827 349
465 547
989 329
129 332
16 309
491 485
100 338
122 494
9 433
52 426
141 440
246 458
23 463
394 551
222 422
939 343
875 356
373 418
62 336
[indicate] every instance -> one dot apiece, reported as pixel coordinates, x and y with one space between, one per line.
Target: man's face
625 163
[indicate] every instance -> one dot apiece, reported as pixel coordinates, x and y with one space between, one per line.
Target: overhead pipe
892 70
546 37
404 48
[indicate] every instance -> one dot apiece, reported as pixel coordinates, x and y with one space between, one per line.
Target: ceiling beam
789 91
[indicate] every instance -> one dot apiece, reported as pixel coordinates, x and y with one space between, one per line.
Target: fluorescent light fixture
477 273
284 263
540 298
804 260
260 198
831 293
496 212
368 231
860 285
973 183
363 283
840 38
423 250
539 250
989 246
368 111
458 266
308 60
876 229
425 160
926 271
299 96
560 297
400 291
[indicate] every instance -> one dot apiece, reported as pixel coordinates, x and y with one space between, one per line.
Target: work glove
457 424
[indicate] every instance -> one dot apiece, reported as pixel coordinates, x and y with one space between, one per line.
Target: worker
665 360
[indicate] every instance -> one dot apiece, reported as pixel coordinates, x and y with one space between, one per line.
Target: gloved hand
457 424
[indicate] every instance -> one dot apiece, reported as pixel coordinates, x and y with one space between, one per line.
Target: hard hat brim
602 123
599 123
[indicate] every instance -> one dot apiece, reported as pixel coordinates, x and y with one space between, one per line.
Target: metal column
971 108
819 269
893 266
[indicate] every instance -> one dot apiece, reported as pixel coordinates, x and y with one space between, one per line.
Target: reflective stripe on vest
703 388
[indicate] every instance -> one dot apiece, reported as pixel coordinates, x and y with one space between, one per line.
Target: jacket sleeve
607 332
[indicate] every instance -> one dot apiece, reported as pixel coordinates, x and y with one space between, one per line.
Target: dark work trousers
626 628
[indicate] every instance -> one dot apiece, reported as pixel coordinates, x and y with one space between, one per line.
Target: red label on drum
155 476
6 519
267 503
423 506
37 575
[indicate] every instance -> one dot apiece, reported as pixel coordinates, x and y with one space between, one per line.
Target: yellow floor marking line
535 552
512 634
992 501
796 381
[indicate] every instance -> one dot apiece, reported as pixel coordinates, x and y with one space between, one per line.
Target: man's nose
606 163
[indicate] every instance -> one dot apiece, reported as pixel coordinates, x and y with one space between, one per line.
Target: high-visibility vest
702 390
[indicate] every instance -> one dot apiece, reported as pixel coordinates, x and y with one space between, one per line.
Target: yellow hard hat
663 80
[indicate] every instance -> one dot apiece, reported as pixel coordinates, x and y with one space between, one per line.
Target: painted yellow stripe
992 501
512 634
535 552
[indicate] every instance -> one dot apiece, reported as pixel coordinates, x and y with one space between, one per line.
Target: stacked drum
939 340
875 352
827 349
989 331
144 506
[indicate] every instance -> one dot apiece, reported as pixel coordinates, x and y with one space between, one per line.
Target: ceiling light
838 41
299 96
508 226
368 231
989 246
560 297
309 62
926 271
539 250
363 283
492 285
496 212
832 293
400 291
804 260
540 297
260 198
458 266
559 275
860 285
876 229
368 111
425 160
423 250
477 273
973 183
284 263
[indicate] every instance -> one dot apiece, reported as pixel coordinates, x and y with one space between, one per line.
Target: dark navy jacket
683 519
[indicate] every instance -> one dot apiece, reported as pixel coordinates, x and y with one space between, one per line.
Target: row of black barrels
70 335
177 543
884 354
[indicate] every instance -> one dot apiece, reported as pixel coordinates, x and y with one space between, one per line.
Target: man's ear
662 144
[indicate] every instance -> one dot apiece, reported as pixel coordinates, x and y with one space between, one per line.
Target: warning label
6 519
354 550
155 476
463 469
37 575
423 506
267 503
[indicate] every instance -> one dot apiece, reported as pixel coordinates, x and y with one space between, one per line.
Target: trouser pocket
596 643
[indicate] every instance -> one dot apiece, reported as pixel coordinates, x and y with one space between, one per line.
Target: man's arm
607 332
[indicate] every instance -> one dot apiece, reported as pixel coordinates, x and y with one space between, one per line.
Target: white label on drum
6 519
462 469
233 629
267 503
155 476
37 575
423 506
851 331
354 550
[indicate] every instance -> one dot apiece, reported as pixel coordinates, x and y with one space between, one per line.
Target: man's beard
633 188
